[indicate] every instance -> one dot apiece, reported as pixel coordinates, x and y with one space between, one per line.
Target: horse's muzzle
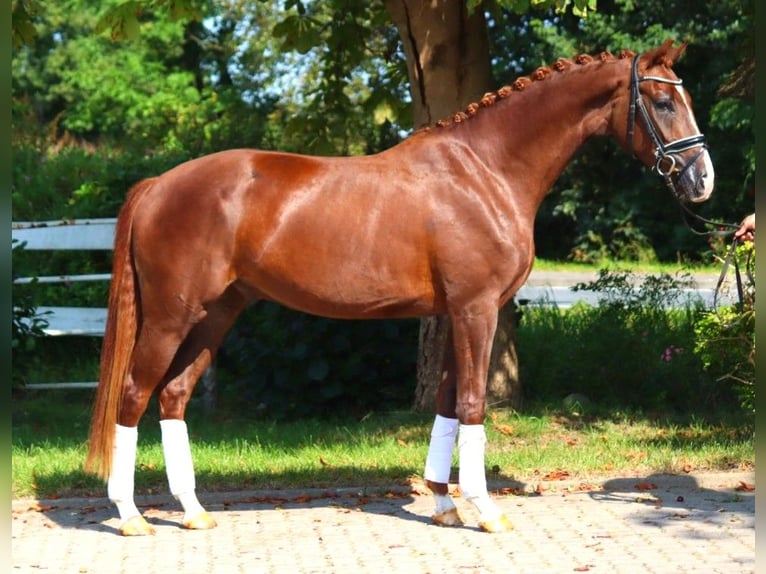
696 181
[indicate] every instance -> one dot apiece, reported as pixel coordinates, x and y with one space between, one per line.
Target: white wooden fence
81 234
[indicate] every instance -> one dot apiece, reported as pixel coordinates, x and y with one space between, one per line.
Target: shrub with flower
725 337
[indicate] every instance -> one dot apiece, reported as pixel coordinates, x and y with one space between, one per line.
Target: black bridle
665 153
666 165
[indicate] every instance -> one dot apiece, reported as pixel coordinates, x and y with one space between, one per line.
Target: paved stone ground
655 524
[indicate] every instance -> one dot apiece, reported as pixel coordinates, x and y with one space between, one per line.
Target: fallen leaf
323 462
504 429
583 487
646 486
585 568
417 486
400 442
557 475
510 491
688 468
744 487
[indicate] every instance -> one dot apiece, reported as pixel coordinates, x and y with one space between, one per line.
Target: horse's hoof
203 521
499 524
136 526
449 517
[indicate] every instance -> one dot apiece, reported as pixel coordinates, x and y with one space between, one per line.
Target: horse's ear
667 54
675 53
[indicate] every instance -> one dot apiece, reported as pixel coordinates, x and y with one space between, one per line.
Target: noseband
665 154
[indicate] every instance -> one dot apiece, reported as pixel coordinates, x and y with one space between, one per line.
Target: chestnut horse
440 224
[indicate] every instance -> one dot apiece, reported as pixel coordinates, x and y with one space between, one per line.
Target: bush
286 364
634 350
726 337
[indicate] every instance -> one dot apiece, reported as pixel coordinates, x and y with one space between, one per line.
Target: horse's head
662 130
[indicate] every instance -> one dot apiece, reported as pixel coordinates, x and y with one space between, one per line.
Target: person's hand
746 231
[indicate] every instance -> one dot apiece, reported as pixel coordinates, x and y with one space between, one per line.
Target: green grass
385 449
635 266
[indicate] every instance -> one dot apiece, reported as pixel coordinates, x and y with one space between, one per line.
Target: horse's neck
532 135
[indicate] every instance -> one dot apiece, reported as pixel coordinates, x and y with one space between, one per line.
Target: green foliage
286 364
725 337
26 329
580 8
634 350
606 203
353 92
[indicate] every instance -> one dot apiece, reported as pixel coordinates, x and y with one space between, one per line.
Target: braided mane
520 84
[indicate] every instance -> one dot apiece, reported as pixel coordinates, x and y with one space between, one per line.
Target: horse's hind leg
154 352
194 356
442 444
162 358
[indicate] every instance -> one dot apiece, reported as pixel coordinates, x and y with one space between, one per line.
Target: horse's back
324 235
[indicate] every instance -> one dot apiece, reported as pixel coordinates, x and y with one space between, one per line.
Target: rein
731 257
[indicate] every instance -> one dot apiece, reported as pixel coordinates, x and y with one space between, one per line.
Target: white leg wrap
179 465
486 507
121 479
444 503
471 443
439 459
473 481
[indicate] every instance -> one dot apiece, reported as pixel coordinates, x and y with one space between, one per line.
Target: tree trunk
208 380
449 67
447 55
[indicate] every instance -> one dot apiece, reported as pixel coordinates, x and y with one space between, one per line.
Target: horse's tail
119 338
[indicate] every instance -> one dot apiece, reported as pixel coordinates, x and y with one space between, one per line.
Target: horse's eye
665 105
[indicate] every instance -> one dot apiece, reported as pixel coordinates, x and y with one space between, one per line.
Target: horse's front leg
473 333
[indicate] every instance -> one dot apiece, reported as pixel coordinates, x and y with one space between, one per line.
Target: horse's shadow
680 497
666 496
163 511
